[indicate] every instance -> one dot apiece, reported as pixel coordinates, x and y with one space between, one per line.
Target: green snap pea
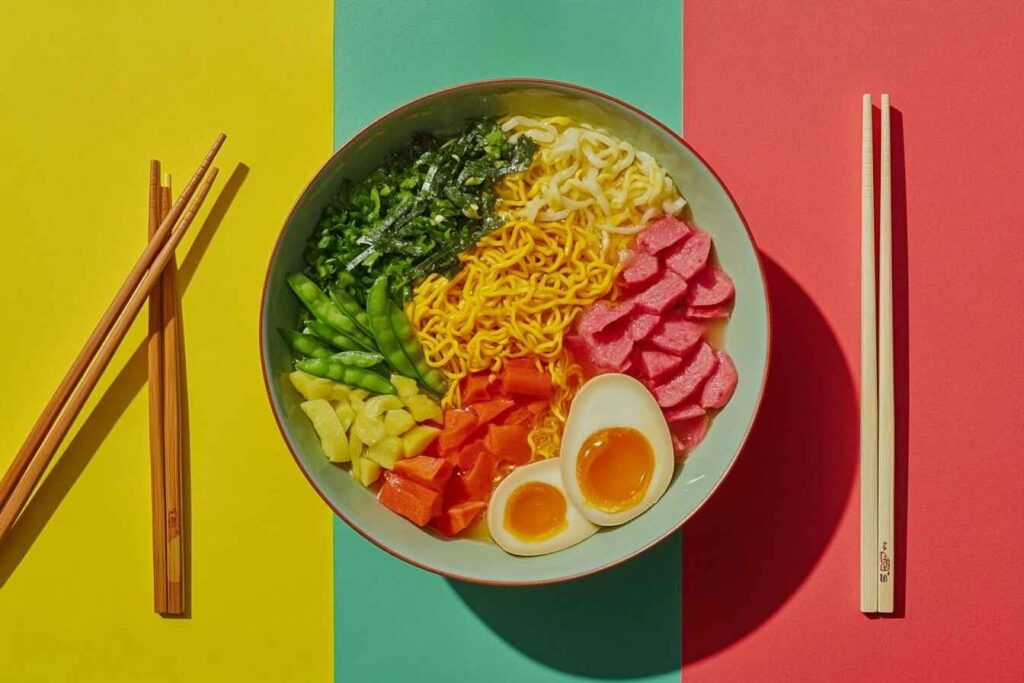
328 334
306 345
377 311
431 378
361 378
357 359
325 310
347 303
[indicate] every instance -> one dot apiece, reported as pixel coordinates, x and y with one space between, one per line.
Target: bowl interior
746 336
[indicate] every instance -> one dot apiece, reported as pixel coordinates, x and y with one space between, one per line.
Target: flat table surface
91 92
769 570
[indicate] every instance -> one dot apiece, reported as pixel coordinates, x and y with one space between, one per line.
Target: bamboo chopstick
173 496
35 439
886 398
155 358
868 376
52 426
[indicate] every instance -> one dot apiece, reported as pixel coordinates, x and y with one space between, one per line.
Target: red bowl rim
520 82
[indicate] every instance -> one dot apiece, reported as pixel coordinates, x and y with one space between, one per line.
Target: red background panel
772 100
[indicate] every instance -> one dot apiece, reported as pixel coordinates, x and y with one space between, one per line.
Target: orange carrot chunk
458 426
465 458
433 473
477 387
519 416
476 483
522 381
538 407
415 502
458 517
509 443
488 410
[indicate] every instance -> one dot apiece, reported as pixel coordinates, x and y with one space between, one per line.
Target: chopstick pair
49 430
165 419
877 401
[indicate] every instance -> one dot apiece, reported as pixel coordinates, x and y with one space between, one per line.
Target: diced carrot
519 416
405 497
538 408
458 426
458 517
477 387
525 381
476 483
431 472
488 410
509 442
465 457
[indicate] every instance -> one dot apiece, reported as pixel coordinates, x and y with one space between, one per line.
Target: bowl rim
525 82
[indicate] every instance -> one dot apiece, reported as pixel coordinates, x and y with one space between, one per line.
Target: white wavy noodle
585 176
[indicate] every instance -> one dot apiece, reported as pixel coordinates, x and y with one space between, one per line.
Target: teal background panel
394 622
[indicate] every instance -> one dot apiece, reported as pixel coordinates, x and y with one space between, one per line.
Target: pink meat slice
721 385
697 369
683 412
639 269
601 316
657 364
711 286
676 335
642 324
691 256
718 312
661 235
660 296
610 349
687 434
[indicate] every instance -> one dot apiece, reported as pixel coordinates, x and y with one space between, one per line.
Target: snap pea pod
361 378
347 303
357 359
377 303
328 334
430 378
325 310
306 345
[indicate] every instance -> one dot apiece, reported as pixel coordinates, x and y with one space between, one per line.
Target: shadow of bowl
756 541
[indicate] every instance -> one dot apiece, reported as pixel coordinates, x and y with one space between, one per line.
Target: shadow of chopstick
111 406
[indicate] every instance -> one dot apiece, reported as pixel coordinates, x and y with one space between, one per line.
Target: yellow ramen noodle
520 290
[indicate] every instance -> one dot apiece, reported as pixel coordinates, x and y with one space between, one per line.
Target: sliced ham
687 434
676 335
717 312
683 412
661 235
660 296
642 324
696 370
690 257
601 316
657 364
640 269
712 286
721 385
610 350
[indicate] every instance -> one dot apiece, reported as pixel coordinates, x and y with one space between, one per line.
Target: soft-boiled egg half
616 456
529 513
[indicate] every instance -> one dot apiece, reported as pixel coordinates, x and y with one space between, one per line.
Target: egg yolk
614 468
535 511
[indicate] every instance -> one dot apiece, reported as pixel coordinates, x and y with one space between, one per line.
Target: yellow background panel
89 92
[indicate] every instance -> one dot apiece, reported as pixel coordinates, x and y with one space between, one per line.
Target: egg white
616 400
547 472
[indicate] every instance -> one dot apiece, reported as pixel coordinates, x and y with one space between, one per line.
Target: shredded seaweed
428 202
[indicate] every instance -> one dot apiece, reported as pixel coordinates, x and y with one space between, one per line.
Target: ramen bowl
746 337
